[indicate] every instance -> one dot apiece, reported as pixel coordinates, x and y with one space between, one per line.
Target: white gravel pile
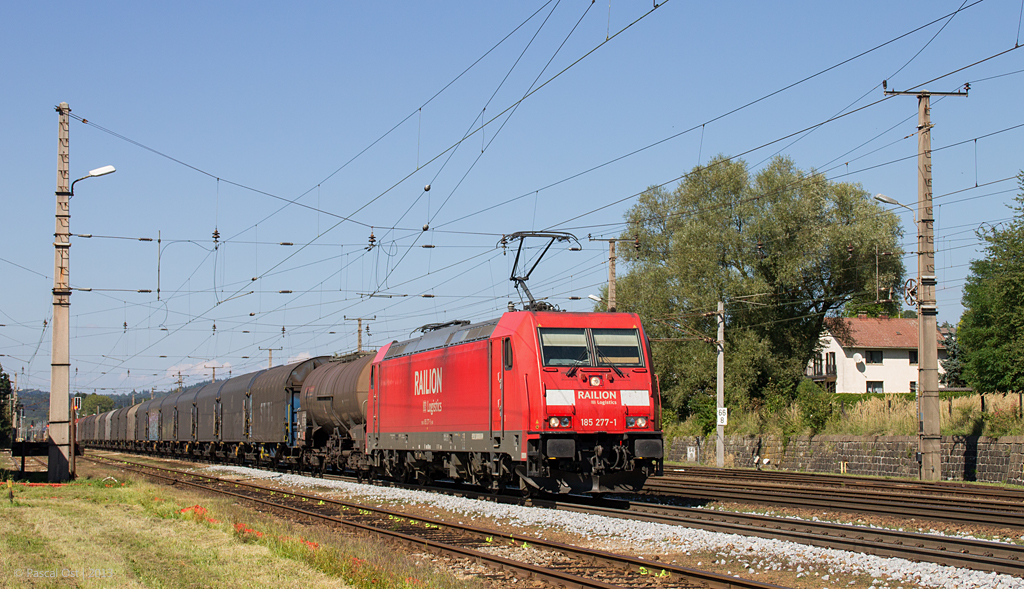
753 554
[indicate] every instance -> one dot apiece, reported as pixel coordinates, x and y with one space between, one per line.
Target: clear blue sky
275 99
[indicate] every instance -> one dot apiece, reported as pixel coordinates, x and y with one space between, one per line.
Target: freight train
553 402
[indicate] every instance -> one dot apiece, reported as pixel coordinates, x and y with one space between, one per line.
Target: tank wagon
549 401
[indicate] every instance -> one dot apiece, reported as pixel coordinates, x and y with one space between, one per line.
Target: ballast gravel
646 537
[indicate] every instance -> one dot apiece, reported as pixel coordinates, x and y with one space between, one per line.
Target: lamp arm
72 190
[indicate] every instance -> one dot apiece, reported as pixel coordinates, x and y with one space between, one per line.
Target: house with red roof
869 355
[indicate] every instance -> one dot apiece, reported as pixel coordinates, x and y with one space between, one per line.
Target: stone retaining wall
966 458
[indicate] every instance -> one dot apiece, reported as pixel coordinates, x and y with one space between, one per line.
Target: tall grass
891 416
870 415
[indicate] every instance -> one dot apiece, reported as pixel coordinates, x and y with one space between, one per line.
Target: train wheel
525 490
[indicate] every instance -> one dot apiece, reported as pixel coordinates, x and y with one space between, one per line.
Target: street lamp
61 465
892 201
93 174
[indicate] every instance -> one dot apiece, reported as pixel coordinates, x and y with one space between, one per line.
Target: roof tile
881 332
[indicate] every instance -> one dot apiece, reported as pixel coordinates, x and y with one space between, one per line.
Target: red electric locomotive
560 402
556 402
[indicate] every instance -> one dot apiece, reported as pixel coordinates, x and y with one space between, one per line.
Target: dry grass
142 535
893 415
959 416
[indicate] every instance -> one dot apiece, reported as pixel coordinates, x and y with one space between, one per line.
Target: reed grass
888 415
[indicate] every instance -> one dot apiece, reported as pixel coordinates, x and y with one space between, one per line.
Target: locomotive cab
597 424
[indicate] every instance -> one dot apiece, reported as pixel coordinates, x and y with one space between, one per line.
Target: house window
875 386
874 356
913 386
913 356
817 365
830 363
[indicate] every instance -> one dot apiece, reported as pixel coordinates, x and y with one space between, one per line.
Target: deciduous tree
6 400
784 248
94 403
991 332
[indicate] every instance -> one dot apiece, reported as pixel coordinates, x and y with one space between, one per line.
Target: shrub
816 406
703 413
1002 422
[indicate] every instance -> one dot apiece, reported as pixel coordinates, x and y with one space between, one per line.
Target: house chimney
862 315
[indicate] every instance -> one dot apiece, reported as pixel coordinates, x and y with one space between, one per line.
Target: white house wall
895 372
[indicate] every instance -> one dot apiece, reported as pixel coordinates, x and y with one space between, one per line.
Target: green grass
97 533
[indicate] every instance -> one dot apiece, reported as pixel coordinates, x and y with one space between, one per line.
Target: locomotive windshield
570 347
564 347
617 347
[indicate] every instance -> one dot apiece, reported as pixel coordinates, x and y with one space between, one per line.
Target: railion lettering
426 382
597 395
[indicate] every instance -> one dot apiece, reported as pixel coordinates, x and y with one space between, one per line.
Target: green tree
991 333
6 401
94 403
784 248
953 365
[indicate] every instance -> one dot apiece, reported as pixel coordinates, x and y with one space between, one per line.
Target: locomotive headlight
566 421
630 422
553 422
595 381
641 422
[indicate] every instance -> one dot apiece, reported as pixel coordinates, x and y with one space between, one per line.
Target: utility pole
270 359
611 267
722 413
359 331
214 368
61 465
929 439
611 276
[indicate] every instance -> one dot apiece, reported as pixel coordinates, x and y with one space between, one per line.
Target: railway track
952 551
962 490
943 550
569 566
1000 514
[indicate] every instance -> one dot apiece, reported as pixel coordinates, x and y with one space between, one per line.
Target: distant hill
37 402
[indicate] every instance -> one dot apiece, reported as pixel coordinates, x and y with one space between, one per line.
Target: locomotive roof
447 336
460 334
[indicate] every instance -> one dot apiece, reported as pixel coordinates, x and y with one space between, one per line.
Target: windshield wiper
577 363
601 356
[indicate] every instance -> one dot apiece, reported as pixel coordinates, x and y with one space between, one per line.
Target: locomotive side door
501 379
376 382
